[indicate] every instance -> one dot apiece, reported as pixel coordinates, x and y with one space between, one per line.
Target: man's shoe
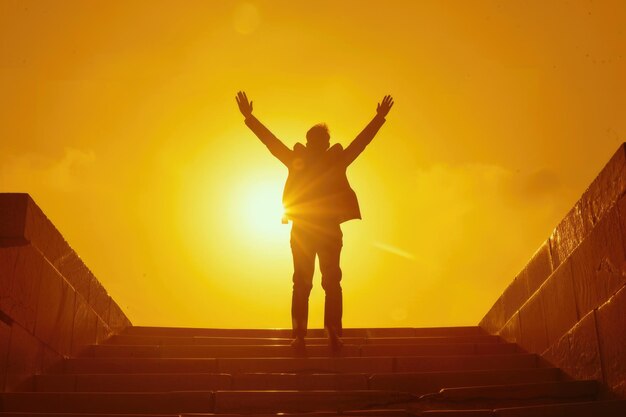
334 341
298 343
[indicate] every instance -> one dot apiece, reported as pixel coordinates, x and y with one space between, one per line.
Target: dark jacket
317 187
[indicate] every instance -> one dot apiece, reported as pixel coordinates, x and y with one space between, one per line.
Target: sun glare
261 209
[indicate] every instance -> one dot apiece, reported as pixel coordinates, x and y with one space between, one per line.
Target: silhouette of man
317 198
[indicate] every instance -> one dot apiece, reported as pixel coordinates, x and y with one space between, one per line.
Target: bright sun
261 209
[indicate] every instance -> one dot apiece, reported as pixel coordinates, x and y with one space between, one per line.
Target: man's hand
245 106
383 108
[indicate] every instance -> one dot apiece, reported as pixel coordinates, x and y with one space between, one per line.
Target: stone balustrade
51 305
569 302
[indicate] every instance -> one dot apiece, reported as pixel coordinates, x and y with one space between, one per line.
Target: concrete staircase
457 371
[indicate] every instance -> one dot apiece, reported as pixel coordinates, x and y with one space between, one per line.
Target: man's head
318 138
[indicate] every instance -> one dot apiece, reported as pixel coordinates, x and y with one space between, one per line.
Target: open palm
245 106
384 106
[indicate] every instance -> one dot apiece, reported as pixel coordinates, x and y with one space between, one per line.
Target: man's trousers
307 241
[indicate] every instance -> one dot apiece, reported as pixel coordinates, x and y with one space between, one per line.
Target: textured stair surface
458 371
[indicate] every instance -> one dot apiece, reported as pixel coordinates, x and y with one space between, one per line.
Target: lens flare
261 210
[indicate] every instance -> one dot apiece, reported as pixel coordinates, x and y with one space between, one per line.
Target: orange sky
119 119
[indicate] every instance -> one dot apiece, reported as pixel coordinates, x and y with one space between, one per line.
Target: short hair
319 132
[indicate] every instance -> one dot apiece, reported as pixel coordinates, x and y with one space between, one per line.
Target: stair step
199 402
510 395
131 382
307 365
225 365
35 414
132 339
188 372
135 365
278 351
430 382
458 413
434 340
417 383
107 402
352 413
225 351
375 364
301 382
440 350
616 408
465 363
205 382
305 401
287 333
516 391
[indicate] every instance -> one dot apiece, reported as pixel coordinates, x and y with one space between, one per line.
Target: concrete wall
569 302
51 305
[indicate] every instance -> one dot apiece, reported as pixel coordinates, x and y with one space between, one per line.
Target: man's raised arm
276 147
365 137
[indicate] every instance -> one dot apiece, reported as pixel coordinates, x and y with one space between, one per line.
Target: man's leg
329 256
303 269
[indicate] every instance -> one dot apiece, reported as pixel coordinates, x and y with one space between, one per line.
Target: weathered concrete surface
538 268
495 318
85 327
598 264
13 209
583 358
56 307
25 286
533 325
521 288
72 267
5 338
567 235
8 256
512 330
607 188
577 352
24 358
559 303
24 222
567 303
51 305
611 318
98 299
515 295
601 195
103 330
